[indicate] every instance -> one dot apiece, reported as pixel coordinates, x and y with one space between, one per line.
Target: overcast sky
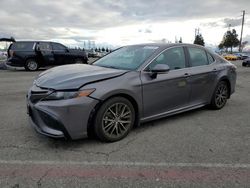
121 22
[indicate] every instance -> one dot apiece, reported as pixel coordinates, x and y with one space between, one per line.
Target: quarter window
174 58
210 58
198 57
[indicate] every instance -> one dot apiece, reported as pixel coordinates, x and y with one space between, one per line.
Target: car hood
70 77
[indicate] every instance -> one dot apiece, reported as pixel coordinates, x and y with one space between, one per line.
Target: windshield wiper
106 66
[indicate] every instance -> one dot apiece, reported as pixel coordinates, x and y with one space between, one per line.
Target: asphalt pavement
201 148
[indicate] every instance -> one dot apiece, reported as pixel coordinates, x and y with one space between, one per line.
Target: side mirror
159 69
67 50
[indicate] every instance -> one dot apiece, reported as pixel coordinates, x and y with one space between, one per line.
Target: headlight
62 95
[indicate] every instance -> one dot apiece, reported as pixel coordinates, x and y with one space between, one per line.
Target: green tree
199 40
230 40
221 46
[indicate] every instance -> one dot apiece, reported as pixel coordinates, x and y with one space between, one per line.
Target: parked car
35 54
241 56
246 62
133 84
230 57
245 56
94 54
91 53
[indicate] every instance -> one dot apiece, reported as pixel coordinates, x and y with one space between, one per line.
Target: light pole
242 26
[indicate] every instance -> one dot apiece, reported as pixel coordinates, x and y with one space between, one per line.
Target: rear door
45 54
201 75
168 91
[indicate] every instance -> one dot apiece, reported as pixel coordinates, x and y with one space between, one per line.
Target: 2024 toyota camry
133 84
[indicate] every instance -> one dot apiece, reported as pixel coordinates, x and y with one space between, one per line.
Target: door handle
214 70
186 75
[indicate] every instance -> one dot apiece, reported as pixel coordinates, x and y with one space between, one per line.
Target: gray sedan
133 84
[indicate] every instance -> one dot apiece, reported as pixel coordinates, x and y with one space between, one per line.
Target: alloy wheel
32 65
221 95
117 120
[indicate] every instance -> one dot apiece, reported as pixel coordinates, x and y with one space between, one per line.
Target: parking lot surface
201 148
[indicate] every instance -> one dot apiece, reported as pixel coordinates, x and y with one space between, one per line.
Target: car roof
34 41
166 45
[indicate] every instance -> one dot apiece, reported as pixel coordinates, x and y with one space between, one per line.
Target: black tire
220 96
31 65
243 64
114 119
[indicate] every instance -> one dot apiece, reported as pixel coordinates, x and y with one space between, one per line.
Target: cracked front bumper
61 118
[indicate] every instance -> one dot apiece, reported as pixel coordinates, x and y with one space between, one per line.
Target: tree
103 49
199 40
221 46
230 40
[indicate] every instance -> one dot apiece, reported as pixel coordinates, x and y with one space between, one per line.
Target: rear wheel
114 119
31 65
220 95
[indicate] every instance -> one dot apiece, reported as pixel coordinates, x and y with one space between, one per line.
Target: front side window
198 57
127 58
58 47
174 58
44 46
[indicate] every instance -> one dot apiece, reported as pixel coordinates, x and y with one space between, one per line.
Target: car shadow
76 144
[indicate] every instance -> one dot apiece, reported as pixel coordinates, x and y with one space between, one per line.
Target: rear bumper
15 62
63 118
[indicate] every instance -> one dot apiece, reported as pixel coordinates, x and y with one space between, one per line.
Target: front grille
36 94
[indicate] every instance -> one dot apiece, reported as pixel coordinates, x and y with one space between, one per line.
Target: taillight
12 53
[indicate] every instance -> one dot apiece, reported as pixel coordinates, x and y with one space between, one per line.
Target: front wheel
114 119
220 95
31 65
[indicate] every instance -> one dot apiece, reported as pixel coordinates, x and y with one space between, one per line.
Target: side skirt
172 112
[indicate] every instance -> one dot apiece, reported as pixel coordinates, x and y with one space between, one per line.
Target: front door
61 54
168 91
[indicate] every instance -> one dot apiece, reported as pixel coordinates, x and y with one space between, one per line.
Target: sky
121 22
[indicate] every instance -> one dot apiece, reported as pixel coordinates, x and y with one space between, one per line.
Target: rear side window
22 46
198 57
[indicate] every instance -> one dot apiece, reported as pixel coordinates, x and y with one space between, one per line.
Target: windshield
127 58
